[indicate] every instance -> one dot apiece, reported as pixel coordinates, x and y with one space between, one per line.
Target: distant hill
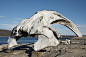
4 33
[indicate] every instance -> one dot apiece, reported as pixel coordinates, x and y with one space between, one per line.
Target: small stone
47 49
9 51
17 52
85 43
34 54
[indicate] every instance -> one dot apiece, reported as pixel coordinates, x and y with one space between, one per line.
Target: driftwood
39 24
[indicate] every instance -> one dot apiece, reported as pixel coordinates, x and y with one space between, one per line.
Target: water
3 40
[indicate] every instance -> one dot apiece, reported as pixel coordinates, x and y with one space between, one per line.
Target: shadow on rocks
23 49
29 52
27 49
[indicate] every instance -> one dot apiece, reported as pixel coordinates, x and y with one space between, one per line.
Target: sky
12 12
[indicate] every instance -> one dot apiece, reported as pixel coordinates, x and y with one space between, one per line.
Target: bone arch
39 24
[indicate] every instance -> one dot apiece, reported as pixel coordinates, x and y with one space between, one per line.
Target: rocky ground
74 47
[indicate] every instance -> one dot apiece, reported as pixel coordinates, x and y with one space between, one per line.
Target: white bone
39 24
48 39
67 42
11 42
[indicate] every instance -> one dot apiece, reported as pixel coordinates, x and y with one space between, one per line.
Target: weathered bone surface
39 24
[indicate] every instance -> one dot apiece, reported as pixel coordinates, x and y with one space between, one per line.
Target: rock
48 49
1 47
17 52
35 54
9 51
4 46
85 43
63 51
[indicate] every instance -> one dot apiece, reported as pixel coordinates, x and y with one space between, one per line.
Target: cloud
65 31
18 18
7 26
4 24
1 16
81 27
15 22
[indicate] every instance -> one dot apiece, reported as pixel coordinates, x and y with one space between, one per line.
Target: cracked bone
39 24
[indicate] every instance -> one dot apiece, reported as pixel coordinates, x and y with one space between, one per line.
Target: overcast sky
12 12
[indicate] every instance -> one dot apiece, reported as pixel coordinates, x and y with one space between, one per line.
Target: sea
3 40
